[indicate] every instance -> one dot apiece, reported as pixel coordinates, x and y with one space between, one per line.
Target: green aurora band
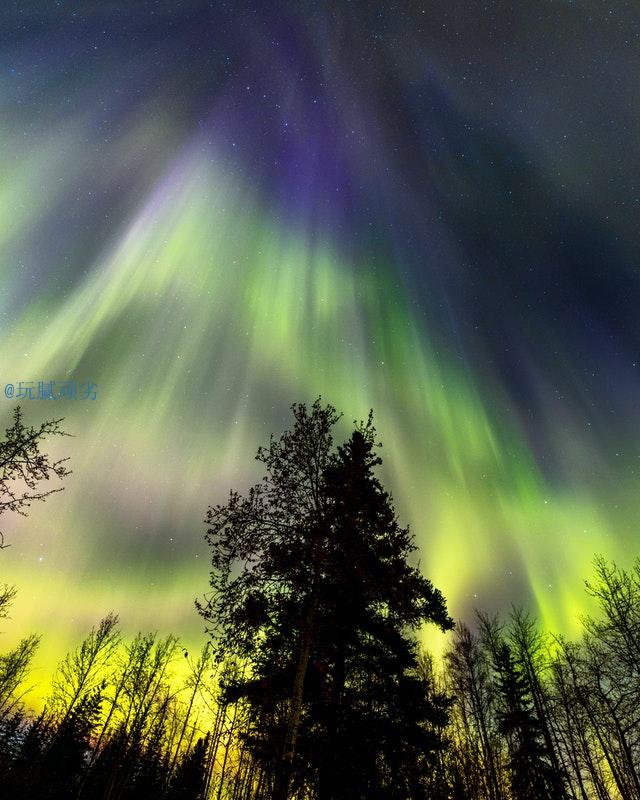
201 322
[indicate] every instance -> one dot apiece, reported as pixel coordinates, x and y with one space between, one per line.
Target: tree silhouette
189 778
312 587
65 758
378 710
23 467
533 776
266 553
121 724
14 667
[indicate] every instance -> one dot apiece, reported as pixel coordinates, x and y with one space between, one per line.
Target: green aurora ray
145 248
201 315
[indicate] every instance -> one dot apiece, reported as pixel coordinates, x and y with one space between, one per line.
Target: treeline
528 714
117 723
312 685
535 715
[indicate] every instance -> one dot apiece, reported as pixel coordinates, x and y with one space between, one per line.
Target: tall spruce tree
313 589
532 775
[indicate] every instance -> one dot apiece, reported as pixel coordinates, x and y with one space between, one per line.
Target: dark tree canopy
261 543
313 590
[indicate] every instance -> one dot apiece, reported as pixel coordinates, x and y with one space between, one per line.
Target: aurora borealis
215 209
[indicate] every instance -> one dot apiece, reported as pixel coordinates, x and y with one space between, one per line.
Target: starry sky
214 209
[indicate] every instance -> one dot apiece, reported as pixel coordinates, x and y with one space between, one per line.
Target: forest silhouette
312 684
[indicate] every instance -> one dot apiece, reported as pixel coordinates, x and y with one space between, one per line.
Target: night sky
212 210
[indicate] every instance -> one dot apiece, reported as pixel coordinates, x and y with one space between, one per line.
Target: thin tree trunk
213 746
285 772
226 751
